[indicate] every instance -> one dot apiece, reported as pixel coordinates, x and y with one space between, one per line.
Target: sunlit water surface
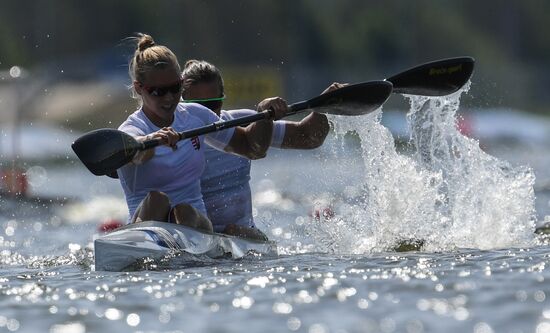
336 213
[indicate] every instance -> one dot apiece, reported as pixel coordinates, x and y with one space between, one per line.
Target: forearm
317 126
309 133
252 141
258 136
144 155
166 136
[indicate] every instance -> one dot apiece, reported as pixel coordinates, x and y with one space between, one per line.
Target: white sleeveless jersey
225 181
176 173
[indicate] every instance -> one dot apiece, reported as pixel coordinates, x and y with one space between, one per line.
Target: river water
336 212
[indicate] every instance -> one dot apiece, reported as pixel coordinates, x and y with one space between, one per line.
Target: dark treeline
309 41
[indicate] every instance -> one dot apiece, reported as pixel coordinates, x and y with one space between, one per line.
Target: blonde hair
148 57
200 71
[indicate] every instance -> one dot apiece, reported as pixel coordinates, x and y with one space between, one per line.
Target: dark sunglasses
211 103
161 91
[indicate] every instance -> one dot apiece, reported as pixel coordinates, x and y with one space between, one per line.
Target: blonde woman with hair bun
163 184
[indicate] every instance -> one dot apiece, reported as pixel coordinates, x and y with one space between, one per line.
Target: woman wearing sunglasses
225 181
163 184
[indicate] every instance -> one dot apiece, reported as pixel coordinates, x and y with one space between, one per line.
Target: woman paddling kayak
163 184
225 181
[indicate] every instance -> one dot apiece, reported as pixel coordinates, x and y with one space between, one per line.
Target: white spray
448 193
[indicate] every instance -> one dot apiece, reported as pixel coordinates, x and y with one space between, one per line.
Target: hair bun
145 42
190 63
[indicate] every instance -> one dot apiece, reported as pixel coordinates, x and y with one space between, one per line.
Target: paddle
105 150
435 78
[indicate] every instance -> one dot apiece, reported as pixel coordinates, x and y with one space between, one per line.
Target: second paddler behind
163 184
225 181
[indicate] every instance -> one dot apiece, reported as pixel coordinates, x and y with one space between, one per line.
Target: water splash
487 202
75 255
448 193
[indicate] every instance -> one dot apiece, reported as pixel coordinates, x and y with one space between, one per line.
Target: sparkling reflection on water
468 290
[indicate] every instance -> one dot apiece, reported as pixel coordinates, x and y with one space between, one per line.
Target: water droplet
282 308
362 304
293 323
113 314
15 71
482 328
68 328
539 296
12 325
132 319
37 176
318 328
10 231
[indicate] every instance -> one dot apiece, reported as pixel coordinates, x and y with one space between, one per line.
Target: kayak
128 246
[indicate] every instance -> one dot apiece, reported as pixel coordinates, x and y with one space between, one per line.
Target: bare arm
167 135
308 133
253 140
311 131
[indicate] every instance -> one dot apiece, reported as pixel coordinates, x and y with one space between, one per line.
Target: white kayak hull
151 240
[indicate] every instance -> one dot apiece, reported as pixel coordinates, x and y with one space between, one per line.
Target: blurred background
63 64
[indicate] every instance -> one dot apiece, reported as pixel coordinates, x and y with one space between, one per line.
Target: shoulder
198 111
135 123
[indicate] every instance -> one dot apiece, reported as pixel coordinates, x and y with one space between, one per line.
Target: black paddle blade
104 150
436 78
352 100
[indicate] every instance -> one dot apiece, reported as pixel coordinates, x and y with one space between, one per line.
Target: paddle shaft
436 78
225 124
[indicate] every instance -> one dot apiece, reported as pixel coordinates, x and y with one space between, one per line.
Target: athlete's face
208 94
160 92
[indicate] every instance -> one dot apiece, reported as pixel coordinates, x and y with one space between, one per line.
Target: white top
176 173
225 181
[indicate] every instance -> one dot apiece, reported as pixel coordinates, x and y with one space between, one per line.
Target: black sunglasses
211 103
161 91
